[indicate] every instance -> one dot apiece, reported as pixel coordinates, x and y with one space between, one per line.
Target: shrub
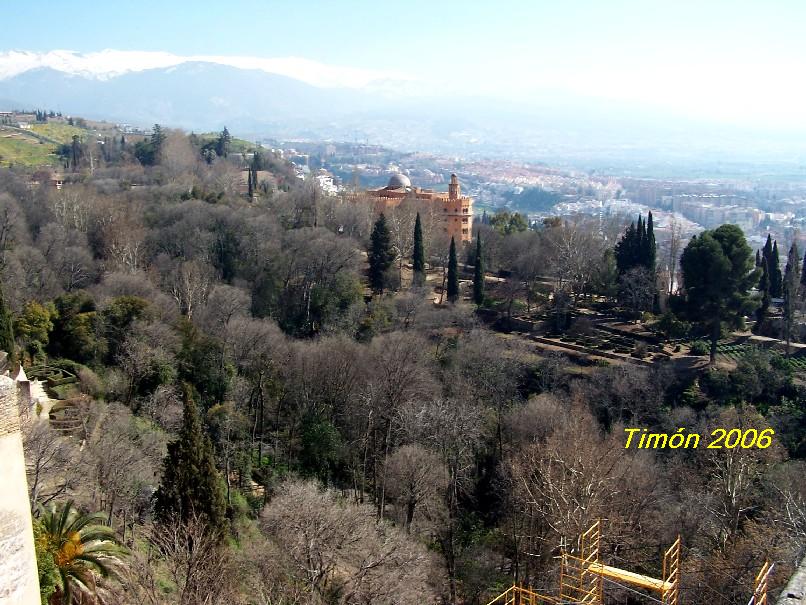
700 347
91 383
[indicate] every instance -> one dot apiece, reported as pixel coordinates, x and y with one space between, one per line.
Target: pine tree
223 143
418 257
791 281
157 140
6 330
190 482
758 258
478 273
776 278
764 288
453 274
381 255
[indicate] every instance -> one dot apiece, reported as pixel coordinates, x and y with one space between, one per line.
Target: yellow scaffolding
582 575
761 584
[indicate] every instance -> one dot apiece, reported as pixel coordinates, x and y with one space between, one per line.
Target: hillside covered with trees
267 395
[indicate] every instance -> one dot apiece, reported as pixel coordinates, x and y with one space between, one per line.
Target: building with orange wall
455 209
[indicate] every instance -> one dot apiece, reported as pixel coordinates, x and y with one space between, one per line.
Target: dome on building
399 181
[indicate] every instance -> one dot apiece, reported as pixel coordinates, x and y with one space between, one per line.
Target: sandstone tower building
19 580
455 209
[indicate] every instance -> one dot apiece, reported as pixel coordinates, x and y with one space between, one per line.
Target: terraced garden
736 351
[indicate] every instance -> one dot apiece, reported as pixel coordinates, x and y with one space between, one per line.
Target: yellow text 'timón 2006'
720 438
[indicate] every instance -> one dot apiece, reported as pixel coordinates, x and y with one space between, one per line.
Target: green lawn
59 132
25 150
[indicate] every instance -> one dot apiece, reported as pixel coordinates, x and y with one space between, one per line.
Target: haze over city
734 63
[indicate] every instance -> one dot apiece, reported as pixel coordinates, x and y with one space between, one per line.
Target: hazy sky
734 61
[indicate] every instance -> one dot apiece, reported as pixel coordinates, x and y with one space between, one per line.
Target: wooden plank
630 577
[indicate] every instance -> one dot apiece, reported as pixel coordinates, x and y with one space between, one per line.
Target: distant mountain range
189 95
256 104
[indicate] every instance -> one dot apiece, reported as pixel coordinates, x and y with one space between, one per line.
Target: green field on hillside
16 148
58 131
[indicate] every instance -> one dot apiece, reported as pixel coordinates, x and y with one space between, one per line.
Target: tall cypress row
453 274
478 274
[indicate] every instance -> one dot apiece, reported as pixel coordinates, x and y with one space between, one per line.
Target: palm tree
83 550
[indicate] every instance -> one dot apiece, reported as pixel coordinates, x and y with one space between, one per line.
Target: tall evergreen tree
75 151
478 273
6 330
381 255
418 256
650 246
640 241
758 258
767 250
790 286
776 277
223 143
157 140
190 482
453 274
803 277
764 308
718 272
626 250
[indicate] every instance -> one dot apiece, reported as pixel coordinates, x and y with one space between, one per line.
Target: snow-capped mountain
110 63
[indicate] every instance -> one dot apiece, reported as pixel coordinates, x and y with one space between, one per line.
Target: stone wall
19 584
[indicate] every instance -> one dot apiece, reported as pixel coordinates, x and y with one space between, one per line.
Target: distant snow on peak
110 63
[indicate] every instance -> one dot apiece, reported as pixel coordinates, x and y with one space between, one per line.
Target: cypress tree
766 256
381 255
251 187
651 248
453 274
418 257
790 291
764 288
803 277
625 250
190 482
640 242
478 274
6 330
776 278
